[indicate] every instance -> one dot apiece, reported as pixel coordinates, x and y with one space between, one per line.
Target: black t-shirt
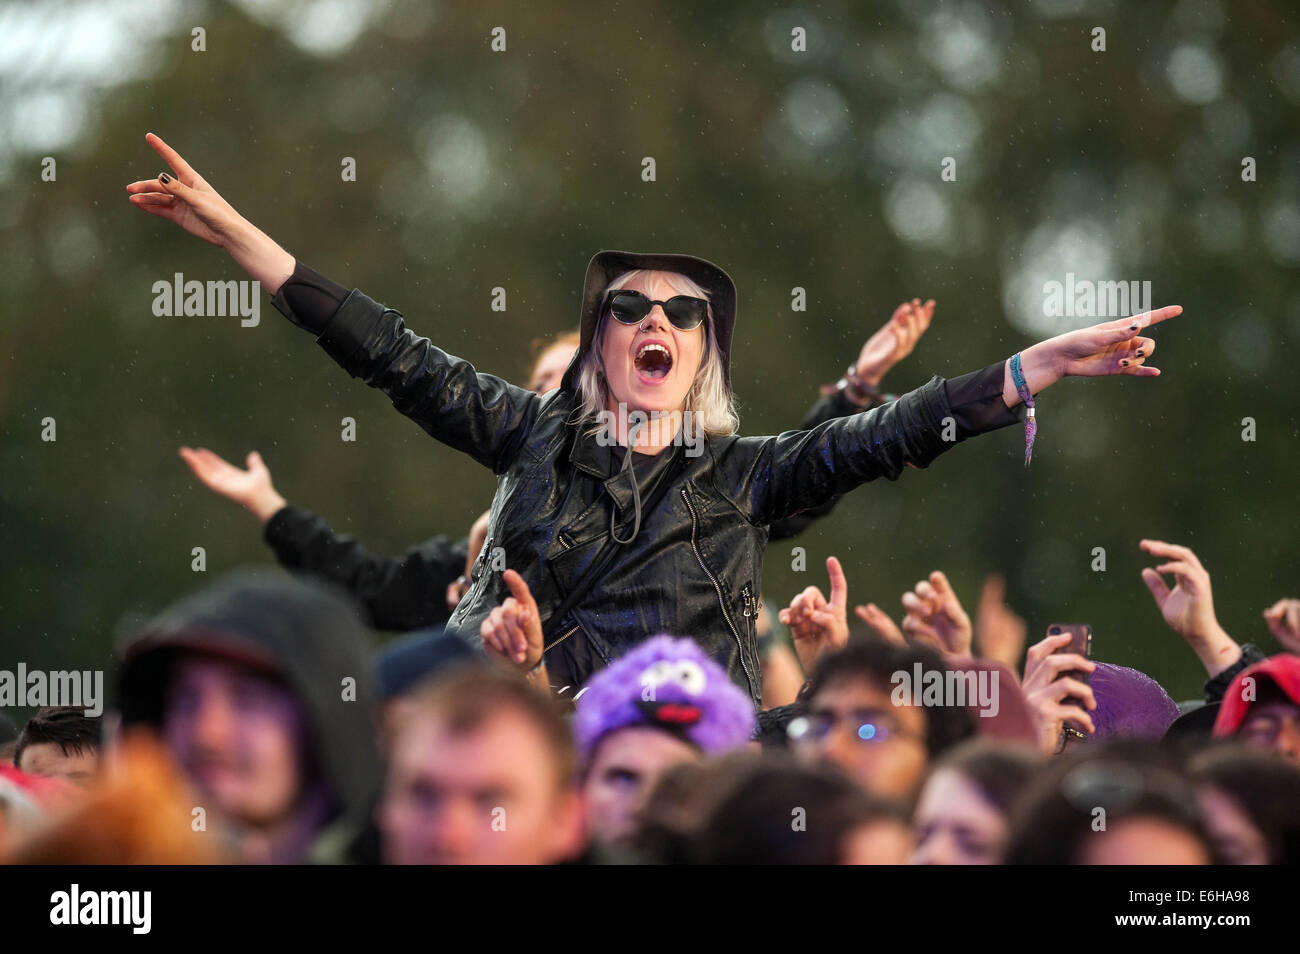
649 468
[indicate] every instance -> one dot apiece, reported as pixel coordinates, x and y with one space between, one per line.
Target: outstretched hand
1114 347
999 632
1283 619
251 488
1188 608
935 616
1111 347
894 341
185 198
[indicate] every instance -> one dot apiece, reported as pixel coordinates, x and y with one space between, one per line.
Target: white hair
709 400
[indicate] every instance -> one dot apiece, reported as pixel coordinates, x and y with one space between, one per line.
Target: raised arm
859 390
399 593
480 414
783 475
184 197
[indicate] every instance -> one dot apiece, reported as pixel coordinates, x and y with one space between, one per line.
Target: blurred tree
478 169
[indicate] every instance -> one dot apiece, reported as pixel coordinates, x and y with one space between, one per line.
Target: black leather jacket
695 567
409 591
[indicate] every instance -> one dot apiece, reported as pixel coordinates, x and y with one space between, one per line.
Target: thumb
194 198
1156 584
174 186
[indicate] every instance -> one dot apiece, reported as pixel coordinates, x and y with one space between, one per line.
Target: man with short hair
60 742
481 771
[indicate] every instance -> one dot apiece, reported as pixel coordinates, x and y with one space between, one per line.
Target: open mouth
653 360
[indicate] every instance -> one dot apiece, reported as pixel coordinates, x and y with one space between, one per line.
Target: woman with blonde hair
626 503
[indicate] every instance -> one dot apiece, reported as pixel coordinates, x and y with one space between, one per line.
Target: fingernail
165 178
1133 327
1124 364
1139 354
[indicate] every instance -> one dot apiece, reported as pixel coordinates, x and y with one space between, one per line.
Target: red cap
1283 670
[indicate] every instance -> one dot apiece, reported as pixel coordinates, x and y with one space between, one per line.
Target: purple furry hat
668 684
1130 704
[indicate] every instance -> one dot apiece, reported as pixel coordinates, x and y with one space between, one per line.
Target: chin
654 398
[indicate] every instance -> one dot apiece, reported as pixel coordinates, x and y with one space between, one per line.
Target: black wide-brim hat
607 265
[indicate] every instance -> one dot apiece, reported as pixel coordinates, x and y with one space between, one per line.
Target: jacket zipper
559 640
749 677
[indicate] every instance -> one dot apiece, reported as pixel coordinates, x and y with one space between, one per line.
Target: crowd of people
254 724
592 675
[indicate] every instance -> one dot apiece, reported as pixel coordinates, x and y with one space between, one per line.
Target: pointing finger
519 589
170 155
839 585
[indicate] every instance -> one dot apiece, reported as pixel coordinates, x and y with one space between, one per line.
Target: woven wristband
1031 425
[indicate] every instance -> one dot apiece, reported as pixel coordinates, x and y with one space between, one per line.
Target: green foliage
478 169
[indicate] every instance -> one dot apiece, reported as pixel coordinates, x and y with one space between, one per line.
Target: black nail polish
165 178
1124 364
1139 354
1132 327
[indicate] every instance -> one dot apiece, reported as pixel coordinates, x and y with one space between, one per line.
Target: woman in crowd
961 814
626 503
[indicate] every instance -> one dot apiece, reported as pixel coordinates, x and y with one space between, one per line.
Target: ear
569 832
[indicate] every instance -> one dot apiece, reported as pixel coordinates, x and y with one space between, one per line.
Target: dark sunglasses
630 307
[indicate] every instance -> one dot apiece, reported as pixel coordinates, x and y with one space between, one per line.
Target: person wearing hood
259 686
1262 707
626 501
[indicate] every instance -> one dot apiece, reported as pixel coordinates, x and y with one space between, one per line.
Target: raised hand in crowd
935 616
186 198
999 632
880 621
1188 607
894 341
1046 689
1283 619
251 489
819 625
512 632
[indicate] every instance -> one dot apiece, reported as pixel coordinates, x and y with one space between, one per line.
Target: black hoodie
310 633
